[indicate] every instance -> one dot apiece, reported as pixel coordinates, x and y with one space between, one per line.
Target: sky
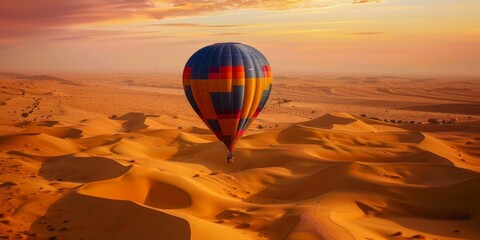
334 37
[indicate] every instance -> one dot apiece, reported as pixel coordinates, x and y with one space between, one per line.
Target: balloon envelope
227 85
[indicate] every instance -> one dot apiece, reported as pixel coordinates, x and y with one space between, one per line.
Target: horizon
339 37
276 75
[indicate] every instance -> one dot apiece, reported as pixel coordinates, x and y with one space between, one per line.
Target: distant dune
117 163
471 109
36 77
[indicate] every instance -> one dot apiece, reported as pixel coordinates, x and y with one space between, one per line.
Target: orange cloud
18 17
22 20
365 1
178 8
196 25
227 34
366 33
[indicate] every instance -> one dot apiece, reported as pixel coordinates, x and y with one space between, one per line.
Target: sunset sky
344 37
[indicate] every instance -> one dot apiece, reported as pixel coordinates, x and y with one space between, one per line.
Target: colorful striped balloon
227 85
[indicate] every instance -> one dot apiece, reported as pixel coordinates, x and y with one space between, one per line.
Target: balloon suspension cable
230 157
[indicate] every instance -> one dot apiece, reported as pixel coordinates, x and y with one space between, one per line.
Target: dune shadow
165 196
428 157
48 123
27 155
134 121
79 216
453 205
366 209
328 120
81 169
72 133
456 108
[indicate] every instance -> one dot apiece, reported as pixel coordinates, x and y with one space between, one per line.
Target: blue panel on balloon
241 123
191 100
214 124
238 94
221 101
226 56
203 68
265 95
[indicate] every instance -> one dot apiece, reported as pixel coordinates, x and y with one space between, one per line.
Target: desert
123 156
240 120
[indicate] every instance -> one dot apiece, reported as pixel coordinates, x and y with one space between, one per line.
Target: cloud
24 17
2 47
69 11
366 1
227 34
366 33
66 35
196 25
66 38
177 8
21 19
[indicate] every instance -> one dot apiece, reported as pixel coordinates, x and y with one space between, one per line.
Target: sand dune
472 109
84 174
340 122
333 177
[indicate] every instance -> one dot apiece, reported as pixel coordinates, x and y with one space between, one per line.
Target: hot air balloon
227 85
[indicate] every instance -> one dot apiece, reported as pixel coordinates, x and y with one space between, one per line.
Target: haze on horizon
404 37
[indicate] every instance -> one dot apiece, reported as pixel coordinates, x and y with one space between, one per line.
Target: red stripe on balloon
226 72
257 112
238 72
235 115
187 71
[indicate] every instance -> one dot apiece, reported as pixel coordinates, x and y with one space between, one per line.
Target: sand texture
125 157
